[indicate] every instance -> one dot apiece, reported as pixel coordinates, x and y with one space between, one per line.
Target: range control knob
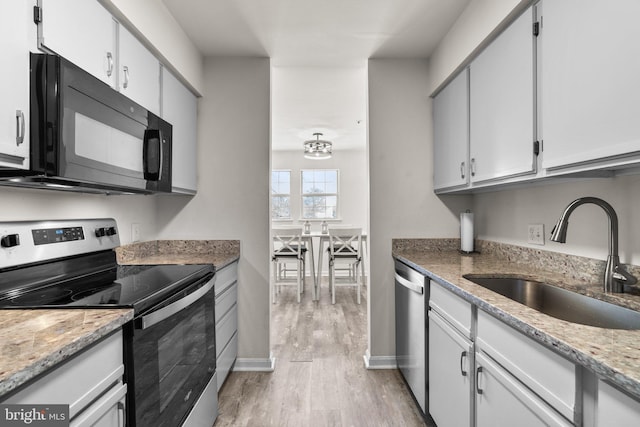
100 232
111 231
10 240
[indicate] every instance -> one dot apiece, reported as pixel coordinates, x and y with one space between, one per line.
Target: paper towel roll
466 232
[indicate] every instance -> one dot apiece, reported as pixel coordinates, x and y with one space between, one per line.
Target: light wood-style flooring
319 377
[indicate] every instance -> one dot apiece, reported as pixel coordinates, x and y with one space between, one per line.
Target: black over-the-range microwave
86 136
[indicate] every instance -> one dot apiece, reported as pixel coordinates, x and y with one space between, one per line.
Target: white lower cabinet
615 408
484 373
226 320
90 383
502 400
450 374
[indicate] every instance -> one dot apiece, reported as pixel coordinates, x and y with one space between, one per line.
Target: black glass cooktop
96 281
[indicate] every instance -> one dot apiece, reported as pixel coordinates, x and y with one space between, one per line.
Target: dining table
322 238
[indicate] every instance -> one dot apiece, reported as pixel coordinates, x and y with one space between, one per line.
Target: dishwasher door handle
410 285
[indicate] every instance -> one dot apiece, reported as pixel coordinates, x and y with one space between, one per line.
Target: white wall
503 216
30 204
402 202
233 186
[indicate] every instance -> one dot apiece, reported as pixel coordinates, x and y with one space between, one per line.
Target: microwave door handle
152 136
165 312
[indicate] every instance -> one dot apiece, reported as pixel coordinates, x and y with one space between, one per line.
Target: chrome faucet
615 276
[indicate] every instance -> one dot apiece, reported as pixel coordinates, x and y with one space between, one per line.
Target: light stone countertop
613 355
34 341
220 253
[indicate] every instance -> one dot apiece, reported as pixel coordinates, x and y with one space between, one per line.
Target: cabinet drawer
501 400
548 374
451 307
226 300
225 277
225 329
225 361
80 380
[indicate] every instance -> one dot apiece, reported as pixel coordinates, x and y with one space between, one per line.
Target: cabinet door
451 134
83 32
179 107
450 372
139 71
16 29
590 63
615 408
501 400
502 105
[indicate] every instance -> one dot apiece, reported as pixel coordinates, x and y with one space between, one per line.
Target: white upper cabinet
139 72
83 32
451 134
590 68
502 88
17 32
180 108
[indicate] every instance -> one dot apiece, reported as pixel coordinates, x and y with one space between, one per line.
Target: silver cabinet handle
121 414
19 127
109 64
462 170
125 71
478 371
463 355
473 167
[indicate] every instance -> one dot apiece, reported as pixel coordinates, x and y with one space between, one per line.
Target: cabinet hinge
536 148
37 14
536 29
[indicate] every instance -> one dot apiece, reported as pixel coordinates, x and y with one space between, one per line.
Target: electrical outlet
135 232
535 234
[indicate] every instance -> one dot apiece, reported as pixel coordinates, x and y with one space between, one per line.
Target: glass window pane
280 206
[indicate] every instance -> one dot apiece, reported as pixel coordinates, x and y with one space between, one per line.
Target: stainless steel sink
561 303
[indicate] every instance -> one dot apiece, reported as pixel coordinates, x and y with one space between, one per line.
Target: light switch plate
135 232
535 234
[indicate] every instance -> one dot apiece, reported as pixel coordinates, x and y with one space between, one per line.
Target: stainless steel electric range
169 347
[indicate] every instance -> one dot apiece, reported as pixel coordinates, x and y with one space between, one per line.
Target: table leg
313 268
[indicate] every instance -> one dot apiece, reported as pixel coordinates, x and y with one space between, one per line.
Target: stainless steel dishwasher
412 335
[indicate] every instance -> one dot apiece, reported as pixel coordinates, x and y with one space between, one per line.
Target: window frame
273 195
336 195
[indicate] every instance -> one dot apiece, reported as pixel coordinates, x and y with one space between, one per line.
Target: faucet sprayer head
559 231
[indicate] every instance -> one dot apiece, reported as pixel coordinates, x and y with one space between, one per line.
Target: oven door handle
165 312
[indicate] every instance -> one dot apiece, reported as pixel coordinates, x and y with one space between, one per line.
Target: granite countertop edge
611 372
219 253
12 380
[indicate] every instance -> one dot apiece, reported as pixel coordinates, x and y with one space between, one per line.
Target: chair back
287 242
345 242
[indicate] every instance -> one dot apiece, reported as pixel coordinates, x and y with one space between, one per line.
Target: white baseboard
379 362
255 365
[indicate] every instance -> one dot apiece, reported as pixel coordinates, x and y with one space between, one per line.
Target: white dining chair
345 256
288 249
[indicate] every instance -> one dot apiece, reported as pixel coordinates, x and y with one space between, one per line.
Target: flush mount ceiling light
317 148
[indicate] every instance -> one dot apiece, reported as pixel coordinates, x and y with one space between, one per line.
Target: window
280 194
320 194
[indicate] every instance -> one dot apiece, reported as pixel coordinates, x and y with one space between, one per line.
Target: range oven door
171 357
86 132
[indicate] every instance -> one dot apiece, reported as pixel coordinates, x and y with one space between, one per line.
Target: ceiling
319 51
